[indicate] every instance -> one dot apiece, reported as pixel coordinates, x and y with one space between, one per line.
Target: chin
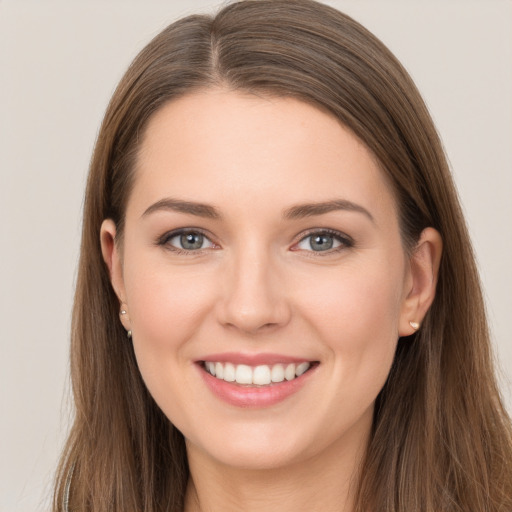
252 456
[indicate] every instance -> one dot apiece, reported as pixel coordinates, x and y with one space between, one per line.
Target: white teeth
289 373
229 372
210 367
261 375
301 368
277 374
243 374
219 370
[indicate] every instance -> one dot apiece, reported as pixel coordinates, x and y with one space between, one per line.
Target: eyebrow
299 211
189 207
309 210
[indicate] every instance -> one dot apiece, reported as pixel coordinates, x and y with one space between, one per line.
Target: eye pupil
321 242
191 241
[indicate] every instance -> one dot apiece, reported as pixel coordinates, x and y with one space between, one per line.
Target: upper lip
253 359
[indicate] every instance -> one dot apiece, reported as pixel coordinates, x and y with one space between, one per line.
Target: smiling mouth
261 375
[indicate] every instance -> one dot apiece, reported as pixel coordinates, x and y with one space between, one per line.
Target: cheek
362 298
165 307
356 314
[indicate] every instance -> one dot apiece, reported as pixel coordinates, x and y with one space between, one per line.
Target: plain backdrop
59 64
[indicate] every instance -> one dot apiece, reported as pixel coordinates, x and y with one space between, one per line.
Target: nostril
250 299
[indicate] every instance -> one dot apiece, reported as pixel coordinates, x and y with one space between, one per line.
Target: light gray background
59 64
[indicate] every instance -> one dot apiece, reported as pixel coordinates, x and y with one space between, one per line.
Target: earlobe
112 258
424 270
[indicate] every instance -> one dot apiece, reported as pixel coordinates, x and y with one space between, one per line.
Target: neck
324 482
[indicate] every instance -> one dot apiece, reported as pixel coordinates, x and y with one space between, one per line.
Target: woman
277 304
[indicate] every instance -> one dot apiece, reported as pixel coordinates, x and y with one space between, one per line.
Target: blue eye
323 241
187 241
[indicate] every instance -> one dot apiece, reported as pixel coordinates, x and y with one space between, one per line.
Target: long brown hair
441 439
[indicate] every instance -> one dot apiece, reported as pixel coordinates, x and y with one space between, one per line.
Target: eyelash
345 241
164 240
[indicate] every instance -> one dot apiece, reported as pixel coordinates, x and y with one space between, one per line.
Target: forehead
215 146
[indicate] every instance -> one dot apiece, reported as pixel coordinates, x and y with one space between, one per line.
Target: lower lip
253 396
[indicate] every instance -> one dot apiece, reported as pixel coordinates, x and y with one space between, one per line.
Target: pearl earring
414 325
122 313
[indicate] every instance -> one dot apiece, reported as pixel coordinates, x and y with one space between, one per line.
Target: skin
257 286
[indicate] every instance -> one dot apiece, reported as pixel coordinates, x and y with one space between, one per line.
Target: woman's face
261 241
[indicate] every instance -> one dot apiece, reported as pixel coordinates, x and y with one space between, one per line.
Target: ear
112 258
421 281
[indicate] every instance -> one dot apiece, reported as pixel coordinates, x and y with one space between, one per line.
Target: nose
253 294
